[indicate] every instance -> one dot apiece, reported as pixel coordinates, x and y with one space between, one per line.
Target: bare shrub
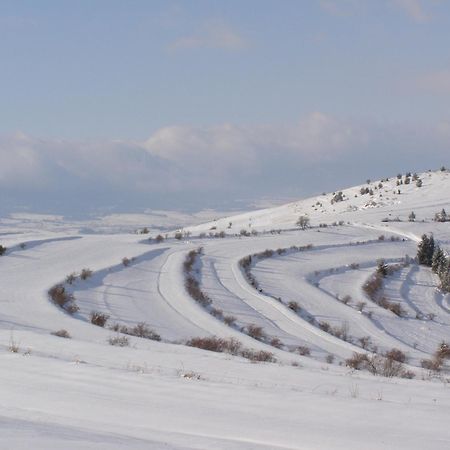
141 330
61 333
303 350
258 355
394 307
341 332
159 238
13 346
346 299
329 359
215 344
360 306
229 320
126 261
59 295
354 266
378 365
193 288
373 285
231 346
275 342
324 326
70 279
119 341
72 308
216 312
63 299
86 273
443 351
294 306
98 318
365 341
256 332
396 355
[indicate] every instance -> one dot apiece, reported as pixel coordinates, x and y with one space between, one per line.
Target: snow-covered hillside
298 303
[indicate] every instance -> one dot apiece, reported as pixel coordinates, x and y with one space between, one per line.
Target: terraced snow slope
306 296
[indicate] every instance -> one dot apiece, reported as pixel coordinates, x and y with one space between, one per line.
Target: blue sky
319 85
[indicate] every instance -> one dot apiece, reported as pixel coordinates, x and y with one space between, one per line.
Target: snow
84 393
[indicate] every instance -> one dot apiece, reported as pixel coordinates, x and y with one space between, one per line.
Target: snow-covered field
83 393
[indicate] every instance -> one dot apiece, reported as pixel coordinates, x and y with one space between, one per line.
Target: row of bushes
193 288
388 365
440 355
231 346
374 285
62 297
141 330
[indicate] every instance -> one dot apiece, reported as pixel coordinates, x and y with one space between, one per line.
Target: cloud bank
184 167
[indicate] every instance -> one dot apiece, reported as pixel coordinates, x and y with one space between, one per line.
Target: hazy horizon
114 107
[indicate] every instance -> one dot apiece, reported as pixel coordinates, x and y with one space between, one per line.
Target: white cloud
413 9
181 164
211 35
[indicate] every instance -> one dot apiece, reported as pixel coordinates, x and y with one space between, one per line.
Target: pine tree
382 268
438 260
412 217
425 250
445 278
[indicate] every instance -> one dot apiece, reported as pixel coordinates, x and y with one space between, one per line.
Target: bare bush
119 341
229 320
61 333
13 346
141 330
86 273
126 261
396 355
443 351
378 365
231 346
275 342
294 306
303 350
215 344
70 279
98 318
216 312
59 295
360 306
258 355
346 299
255 332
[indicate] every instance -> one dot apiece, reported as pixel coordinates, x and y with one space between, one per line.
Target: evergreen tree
382 268
425 250
445 277
412 217
438 261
